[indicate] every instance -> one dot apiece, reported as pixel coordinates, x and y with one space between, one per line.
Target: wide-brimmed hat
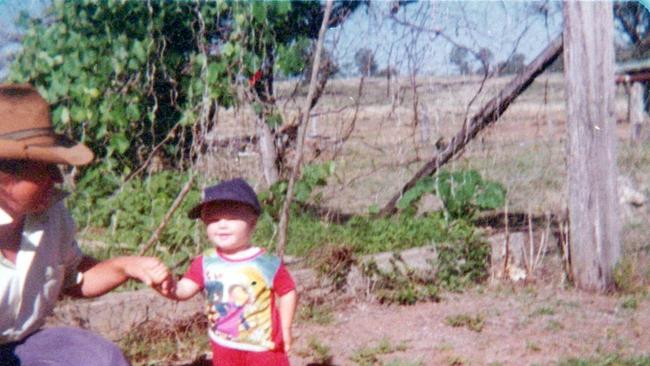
234 190
26 131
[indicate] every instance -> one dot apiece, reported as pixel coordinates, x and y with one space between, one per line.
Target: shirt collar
5 219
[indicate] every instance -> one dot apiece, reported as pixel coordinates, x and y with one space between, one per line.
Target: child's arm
179 290
287 306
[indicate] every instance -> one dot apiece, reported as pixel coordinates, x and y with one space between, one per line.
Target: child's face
229 226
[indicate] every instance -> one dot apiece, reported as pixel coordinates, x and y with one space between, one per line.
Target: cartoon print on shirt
215 307
257 313
239 305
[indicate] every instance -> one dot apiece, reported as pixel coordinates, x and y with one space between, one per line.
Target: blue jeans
62 347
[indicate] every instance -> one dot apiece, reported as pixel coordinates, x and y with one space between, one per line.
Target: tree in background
134 79
365 61
458 57
513 65
485 57
633 20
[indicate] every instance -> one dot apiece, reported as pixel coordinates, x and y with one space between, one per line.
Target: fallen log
488 114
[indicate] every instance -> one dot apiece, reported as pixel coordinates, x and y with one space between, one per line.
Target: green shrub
463 193
364 234
401 284
126 217
464 258
626 278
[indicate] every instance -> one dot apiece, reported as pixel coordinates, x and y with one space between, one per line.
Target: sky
408 41
417 39
9 13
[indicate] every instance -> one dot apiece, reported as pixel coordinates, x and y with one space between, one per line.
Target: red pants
223 356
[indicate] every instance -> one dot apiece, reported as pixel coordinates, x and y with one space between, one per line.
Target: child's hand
167 287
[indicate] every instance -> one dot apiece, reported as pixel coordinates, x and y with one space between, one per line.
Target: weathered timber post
636 111
591 150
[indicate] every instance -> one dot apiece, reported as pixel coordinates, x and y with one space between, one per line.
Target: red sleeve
283 282
195 271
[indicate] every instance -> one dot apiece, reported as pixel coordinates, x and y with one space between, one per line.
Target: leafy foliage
401 284
462 259
123 76
333 263
131 214
463 193
312 177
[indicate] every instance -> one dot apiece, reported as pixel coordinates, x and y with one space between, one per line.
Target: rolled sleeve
71 253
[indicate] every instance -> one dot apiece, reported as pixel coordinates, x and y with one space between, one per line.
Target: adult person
39 257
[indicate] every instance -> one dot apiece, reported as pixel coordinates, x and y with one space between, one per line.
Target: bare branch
303 122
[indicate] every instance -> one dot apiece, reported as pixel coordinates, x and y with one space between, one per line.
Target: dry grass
524 149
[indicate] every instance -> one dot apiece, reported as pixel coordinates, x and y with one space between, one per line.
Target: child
241 282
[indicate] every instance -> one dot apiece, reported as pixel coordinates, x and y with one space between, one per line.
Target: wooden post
592 170
636 111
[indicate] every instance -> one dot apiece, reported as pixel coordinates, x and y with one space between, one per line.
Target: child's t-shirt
240 298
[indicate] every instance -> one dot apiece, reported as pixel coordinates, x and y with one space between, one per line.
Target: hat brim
195 212
64 151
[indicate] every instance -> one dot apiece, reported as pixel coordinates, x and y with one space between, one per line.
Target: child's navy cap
234 190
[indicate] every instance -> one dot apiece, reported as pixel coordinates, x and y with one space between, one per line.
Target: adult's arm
99 278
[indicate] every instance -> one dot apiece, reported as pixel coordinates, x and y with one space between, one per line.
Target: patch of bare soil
504 325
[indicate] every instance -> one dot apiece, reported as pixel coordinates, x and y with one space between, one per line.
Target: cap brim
68 152
195 212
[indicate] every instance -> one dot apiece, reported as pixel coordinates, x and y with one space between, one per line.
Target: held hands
150 271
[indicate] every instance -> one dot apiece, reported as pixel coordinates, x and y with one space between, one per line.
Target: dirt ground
513 325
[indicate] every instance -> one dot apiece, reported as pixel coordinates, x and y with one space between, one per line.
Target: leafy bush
124 75
462 259
401 285
313 176
364 234
333 263
126 218
463 193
